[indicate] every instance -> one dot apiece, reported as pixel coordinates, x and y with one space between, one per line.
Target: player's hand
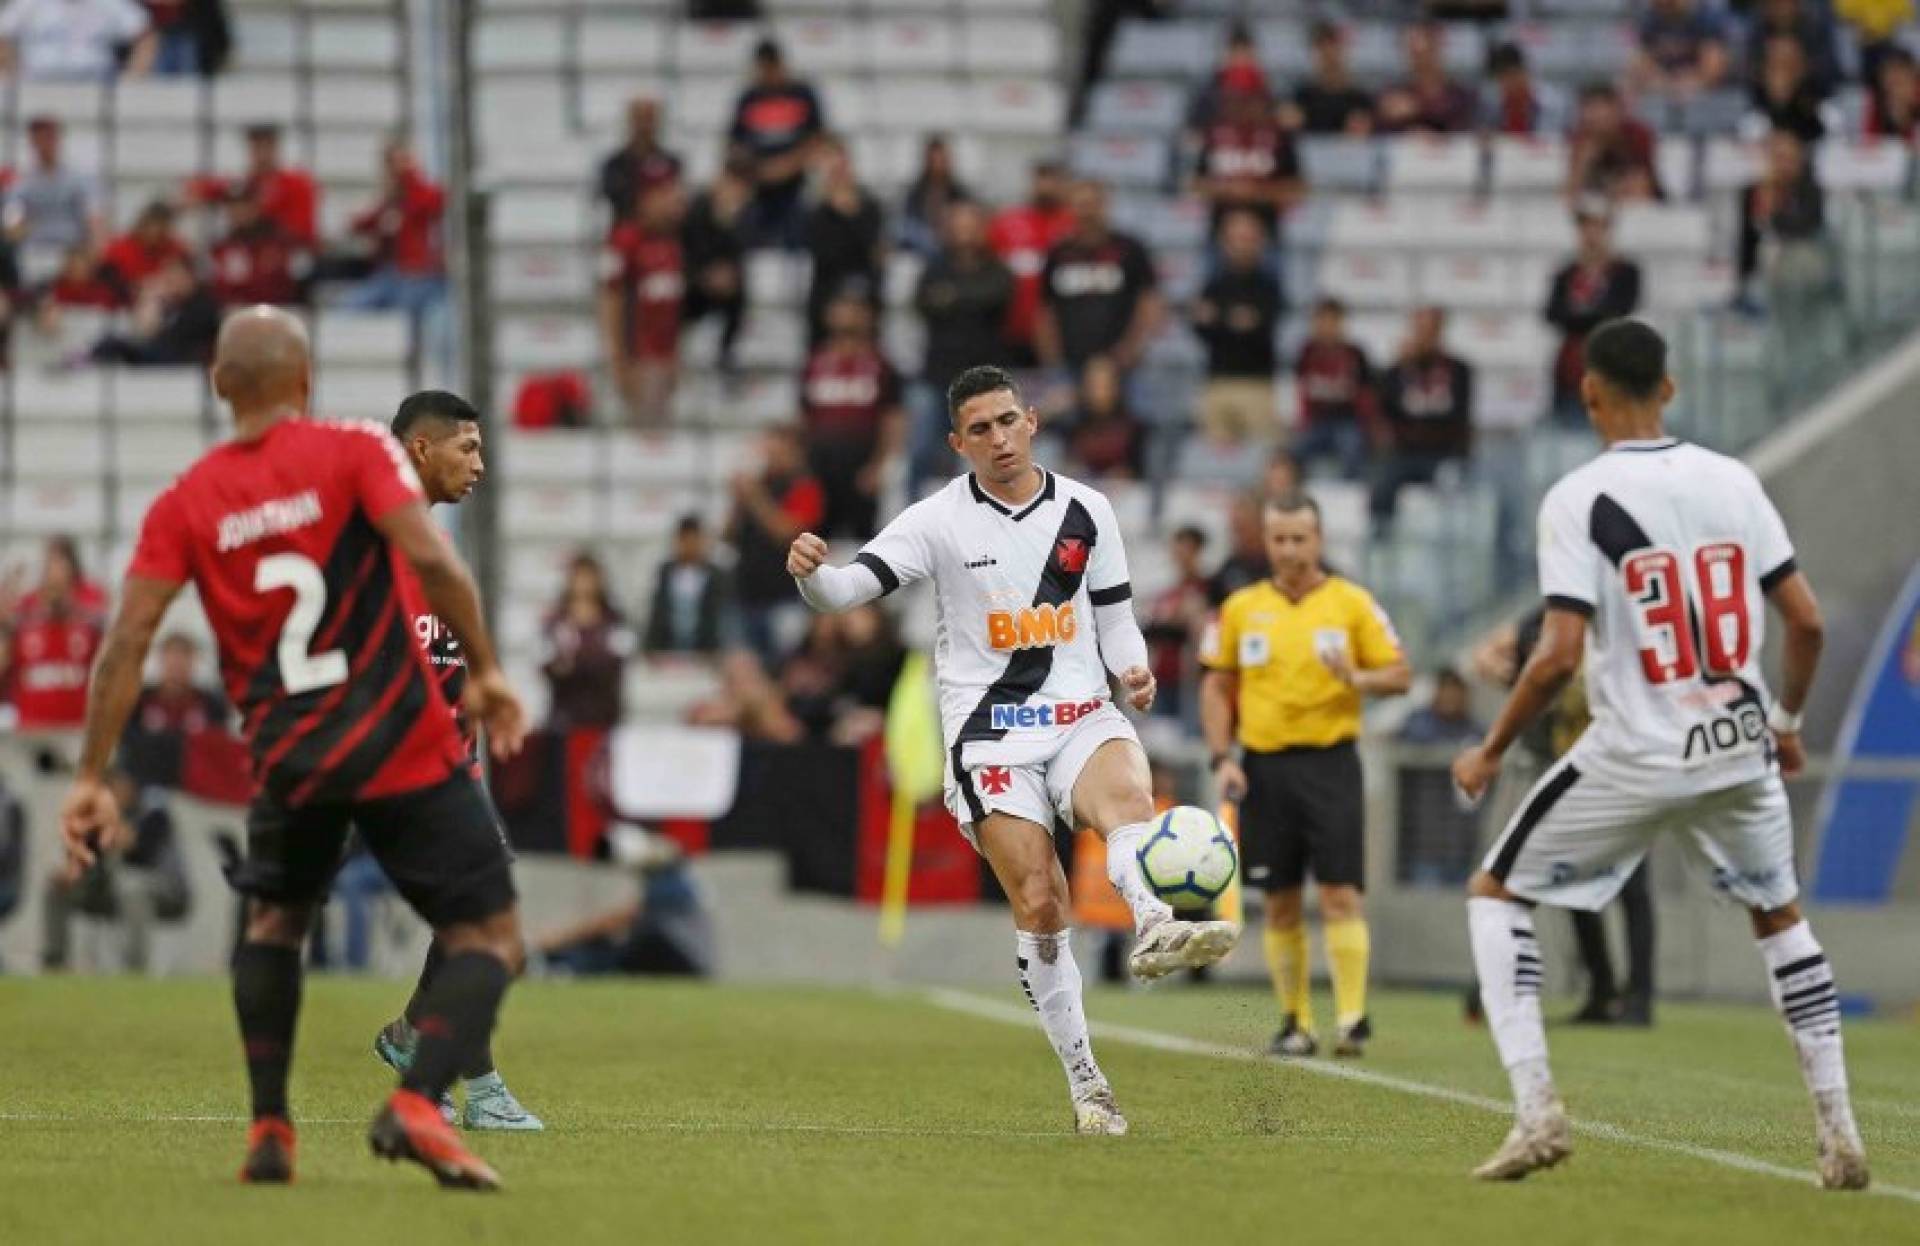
1339 665
1792 753
90 825
1231 778
806 555
492 702
1474 772
1141 687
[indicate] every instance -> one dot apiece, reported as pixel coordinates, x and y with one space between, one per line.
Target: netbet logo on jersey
1031 627
1027 717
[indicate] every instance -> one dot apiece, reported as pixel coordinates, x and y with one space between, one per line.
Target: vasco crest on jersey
1070 553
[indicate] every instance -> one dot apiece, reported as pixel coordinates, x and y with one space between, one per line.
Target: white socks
1507 957
1803 991
1052 983
1123 871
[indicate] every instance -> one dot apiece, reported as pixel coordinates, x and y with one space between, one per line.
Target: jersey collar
987 499
1645 447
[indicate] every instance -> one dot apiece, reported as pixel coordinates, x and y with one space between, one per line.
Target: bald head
261 361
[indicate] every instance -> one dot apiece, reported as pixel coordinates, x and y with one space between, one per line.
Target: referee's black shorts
1304 813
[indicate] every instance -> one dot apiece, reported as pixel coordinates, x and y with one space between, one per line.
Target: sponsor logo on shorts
993 780
1060 714
1032 627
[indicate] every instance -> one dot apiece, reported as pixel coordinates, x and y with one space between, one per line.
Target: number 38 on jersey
1691 611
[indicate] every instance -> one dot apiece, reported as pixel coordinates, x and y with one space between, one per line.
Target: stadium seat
155 453
355 100
1676 163
551 217
265 41
74 103
848 103
908 45
1511 398
613 43
344 156
1368 225
1000 46
1870 165
356 43
1729 164
1432 163
1468 281
360 393
1684 286
171 152
1548 233
132 498
773 339
1489 340
713 47
64 451
647 510
677 458
1121 161
546 342
1374 51
556 512
604 97
157 395
916 104
240 101
523 109
1368 279
1555 51
706 103
524 44
355 337
1527 164
74 508
558 162
1481 226
1643 228
820 45
1164 49
1137 108
1341 163
158 101
1285 49
58 396
553 456
542 274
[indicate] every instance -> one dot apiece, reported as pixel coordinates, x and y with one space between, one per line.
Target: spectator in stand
844 237
288 197
1246 561
12 296
404 228
1812 31
637 165
839 681
170 712
850 399
769 510
1236 315
1104 437
1022 236
1682 52
195 36
1426 405
1893 106
9 671
1875 23
935 190
690 607
1445 720
713 249
642 290
1099 292
174 321
1175 617
1428 100
79 283
962 297
1247 162
1785 95
1239 73
1514 103
587 647
1595 286
75 39
1610 152
255 261
51 209
1329 102
750 702
1282 475
139 253
1784 214
57 630
1338 406
1103 23
135 888
776 121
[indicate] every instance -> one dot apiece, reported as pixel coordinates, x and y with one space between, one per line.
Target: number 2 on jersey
301 670
1656 581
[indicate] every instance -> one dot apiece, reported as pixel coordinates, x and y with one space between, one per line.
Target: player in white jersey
1034 620
1658 560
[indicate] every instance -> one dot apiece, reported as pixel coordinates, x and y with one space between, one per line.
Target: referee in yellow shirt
1288 663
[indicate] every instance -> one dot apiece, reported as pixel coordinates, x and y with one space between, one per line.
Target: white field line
639 1127
1154 1040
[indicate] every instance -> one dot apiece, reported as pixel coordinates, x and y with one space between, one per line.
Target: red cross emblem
1071 553
993 780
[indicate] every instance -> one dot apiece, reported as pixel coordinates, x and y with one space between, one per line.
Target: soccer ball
1189 858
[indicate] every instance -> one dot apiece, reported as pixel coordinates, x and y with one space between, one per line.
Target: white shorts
1577 838
1030 777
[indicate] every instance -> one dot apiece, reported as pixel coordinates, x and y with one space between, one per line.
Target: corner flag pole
893 887
1230 909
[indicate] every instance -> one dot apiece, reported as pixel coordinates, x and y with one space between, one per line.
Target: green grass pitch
703 1114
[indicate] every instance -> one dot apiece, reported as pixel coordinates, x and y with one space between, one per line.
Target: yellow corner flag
916 766
1230 907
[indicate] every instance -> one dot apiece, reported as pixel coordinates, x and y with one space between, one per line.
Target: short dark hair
690 525
1598 91
432 406
984 379
1448 675
1293 502
1191 533
1630 356
769 52
1505 56
1328 303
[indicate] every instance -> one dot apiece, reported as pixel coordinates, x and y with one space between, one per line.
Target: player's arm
1220 700
899 556
90 821
1123 649
1799 659
452 595
1563 642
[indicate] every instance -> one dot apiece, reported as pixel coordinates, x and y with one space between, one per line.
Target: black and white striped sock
1804 992
1051 980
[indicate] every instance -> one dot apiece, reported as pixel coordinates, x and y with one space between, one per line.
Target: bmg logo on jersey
1032 627
1061 714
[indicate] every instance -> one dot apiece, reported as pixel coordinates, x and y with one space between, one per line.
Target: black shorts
1304 813
443 847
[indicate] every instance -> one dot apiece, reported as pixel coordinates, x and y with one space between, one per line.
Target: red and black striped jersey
448 661
313 609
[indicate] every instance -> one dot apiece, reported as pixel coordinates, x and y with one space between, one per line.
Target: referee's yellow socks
1287 962
1349 947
